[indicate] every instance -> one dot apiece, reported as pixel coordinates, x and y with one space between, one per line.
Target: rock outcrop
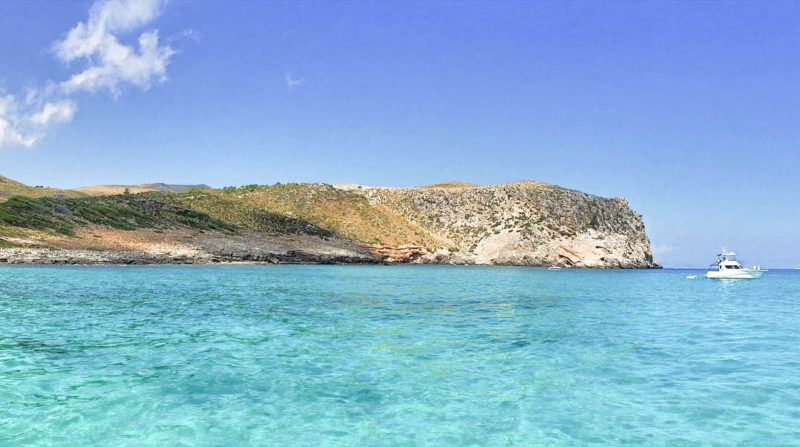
524 223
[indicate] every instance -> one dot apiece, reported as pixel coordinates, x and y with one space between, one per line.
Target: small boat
554 267
727 267
691 276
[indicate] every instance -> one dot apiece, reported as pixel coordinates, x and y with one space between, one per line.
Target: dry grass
112 190
347 214
10 188
451 185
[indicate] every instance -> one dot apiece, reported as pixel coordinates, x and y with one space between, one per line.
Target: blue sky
690 110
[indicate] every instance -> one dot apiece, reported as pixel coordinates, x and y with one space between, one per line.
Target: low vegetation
345 213
243 213
9 188
124 212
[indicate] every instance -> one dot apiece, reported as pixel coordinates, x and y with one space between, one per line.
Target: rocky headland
524 223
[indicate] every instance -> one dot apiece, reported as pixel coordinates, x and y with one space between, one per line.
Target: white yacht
727 267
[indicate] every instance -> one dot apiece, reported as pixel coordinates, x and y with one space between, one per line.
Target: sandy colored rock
97 245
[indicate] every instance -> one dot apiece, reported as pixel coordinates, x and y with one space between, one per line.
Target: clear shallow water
403 355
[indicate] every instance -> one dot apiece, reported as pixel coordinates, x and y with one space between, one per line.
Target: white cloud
23 125
189 34
11 133
9 136
106 17
109 64
55 112
292 83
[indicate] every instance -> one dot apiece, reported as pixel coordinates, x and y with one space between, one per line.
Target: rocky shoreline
113 247
41 256
51 256
105 246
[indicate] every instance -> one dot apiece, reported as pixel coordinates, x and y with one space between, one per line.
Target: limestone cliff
524 223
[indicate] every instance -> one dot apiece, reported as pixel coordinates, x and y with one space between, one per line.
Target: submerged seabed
401 355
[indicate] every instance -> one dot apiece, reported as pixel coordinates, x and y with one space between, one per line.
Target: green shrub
124 212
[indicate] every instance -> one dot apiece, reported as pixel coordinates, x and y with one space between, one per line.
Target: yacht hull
741 274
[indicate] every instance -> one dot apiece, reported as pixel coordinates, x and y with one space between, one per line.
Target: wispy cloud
292 82
25 124
10 122
55 112
107 65
189 34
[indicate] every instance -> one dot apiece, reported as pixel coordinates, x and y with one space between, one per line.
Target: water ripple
373 355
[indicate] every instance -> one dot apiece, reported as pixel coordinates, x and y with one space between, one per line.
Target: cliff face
524 223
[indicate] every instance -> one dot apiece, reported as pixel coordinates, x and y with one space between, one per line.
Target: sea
335 355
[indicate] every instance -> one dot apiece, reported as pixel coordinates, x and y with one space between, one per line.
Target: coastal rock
399 254
524 223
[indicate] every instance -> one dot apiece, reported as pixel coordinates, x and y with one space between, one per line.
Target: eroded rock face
398 254
524 223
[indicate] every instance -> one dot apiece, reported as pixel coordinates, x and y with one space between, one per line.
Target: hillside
157 227
110 190
10 188
524 223
123 212
342 212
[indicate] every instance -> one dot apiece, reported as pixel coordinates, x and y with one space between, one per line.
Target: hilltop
526 223
108 190
9 188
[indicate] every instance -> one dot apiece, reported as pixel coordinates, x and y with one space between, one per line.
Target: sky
689 110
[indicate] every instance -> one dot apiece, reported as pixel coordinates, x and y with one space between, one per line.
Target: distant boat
727 267
691 276
554 267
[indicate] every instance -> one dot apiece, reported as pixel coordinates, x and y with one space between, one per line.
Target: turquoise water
402 355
